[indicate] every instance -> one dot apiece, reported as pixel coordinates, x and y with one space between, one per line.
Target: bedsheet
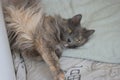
75 69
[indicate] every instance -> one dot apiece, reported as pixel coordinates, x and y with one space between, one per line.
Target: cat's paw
60 76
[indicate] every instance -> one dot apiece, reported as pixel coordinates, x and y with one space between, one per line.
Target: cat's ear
89 33
75 20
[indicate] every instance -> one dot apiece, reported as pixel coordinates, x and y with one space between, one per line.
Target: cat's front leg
59 50
52 60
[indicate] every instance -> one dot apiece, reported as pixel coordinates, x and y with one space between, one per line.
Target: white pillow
101 15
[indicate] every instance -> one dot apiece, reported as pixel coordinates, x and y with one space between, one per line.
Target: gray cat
31 31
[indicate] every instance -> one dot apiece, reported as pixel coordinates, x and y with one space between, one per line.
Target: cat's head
73 34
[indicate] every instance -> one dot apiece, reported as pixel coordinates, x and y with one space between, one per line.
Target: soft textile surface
101 15
79 69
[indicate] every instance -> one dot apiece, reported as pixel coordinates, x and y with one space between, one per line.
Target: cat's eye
76 39
80 37
69 30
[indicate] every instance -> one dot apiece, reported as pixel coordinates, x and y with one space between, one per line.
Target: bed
99 59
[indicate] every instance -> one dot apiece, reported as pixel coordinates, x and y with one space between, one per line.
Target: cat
31 31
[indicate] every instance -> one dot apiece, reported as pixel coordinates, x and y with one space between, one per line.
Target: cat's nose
69 40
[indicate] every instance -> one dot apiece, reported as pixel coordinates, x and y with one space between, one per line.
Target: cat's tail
22 20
